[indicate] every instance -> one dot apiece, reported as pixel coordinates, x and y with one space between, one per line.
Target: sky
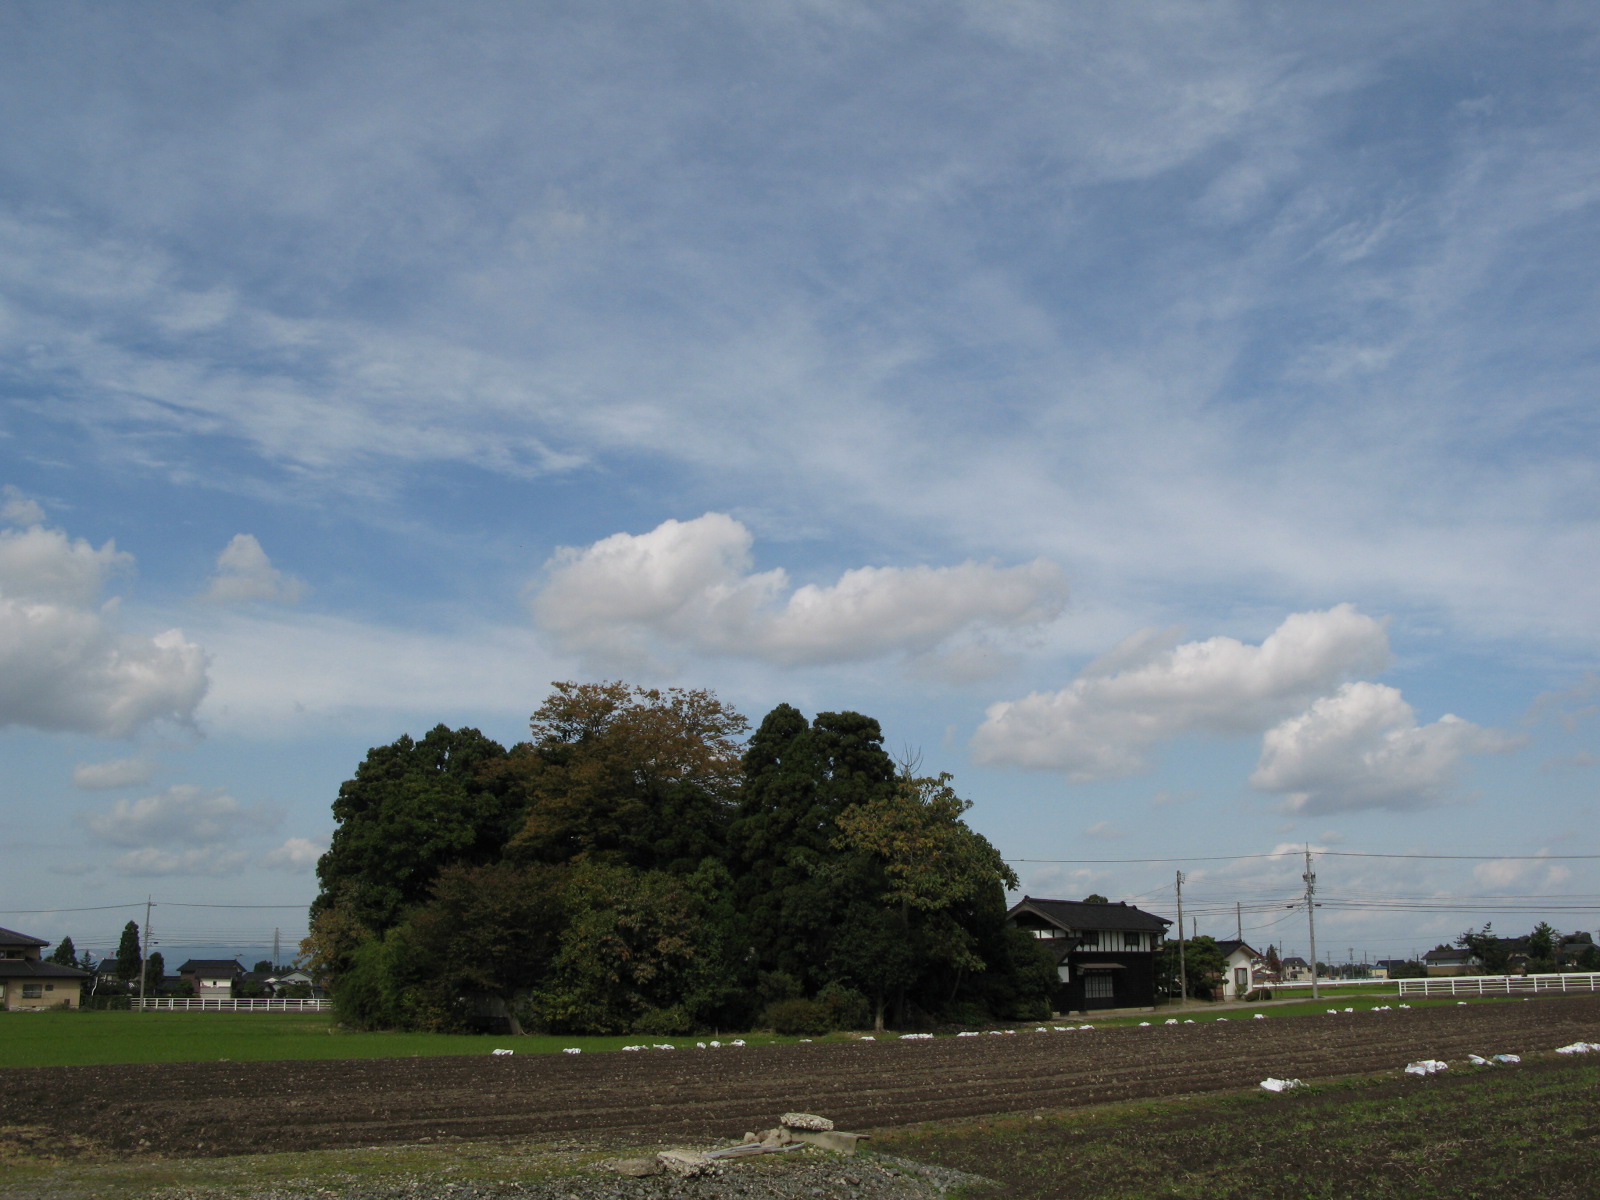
1177 421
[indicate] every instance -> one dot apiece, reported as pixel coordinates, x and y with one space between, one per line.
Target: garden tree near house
1272 962
128 956
263 967
64 955
412 809
1493 952
1095 898
933 868
1542 944
155 970
626 775
1204 967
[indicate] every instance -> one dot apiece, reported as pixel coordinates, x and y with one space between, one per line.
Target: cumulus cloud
17 509
183 814
1151 688
296 855
120 772
689 585
245 574
63 665
1362 748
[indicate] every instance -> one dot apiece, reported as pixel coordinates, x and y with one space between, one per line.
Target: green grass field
55 1039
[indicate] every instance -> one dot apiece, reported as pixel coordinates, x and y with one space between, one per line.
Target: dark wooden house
1105 953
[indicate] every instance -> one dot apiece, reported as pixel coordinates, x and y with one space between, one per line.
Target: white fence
1499 985
219 1004
1327 982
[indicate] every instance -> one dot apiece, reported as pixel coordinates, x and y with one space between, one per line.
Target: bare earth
705 1096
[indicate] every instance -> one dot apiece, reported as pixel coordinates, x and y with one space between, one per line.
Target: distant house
1105 954
27 982
1450 960
212 976
1389 968
1239 961
1294 969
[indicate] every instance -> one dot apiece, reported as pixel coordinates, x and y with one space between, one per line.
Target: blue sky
1177 421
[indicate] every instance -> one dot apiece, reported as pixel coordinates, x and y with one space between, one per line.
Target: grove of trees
640 865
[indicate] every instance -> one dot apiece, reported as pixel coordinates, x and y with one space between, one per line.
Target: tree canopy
636 865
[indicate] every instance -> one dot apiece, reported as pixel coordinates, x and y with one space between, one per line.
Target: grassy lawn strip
60 1039
54 1039
1531 1130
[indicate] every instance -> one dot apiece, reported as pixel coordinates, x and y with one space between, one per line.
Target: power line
1319 854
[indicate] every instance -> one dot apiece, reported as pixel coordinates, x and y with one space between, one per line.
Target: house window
32 991
1132 941
1091 941
1097 985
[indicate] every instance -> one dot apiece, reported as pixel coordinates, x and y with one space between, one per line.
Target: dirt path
688 1094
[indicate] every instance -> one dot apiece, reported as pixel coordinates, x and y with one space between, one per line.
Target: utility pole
1183 978
144 952
1311 920
277 949
1238 920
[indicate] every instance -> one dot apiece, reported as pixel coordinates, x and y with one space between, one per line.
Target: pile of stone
794 1131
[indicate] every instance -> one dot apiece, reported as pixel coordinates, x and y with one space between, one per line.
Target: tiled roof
10 937
211 966
1077 915
25 968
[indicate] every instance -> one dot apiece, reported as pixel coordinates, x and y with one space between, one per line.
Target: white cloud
245 574
63 666
152 860
296 855
184 814
689 585
1150 689
18 509
1512 872
42 565
1362 748
120 772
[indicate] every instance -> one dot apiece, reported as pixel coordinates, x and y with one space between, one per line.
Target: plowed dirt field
687 1094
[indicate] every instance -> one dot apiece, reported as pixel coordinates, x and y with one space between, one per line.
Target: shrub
798 1016
661 1022
846 1007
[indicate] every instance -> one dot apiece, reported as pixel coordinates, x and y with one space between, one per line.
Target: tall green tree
412 809
1542 943
932 868
486 937
64 955
155 970
795 890
632 948
628 776
128 954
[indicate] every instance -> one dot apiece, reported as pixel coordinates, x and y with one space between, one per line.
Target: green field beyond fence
58 1039
51 1039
